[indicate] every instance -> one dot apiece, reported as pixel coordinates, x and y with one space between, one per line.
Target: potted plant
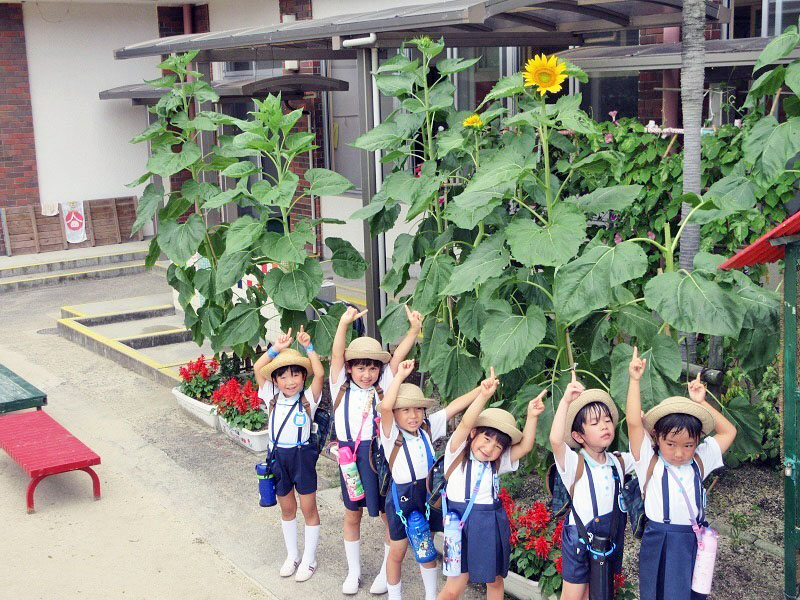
240 415
200 378
535 570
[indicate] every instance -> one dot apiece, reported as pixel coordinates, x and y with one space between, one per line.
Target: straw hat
286 357
679 404
410 396
366 347
576 405
502 420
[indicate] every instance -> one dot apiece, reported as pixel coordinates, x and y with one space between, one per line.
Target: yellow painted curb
146 335
75 313
116 312
350 300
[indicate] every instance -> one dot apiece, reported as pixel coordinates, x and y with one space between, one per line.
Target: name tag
300 419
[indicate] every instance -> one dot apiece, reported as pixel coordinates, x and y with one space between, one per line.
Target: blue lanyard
472 497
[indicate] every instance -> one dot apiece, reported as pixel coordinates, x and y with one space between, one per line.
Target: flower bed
200 379
240 415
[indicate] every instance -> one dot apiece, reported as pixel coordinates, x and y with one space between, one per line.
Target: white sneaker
288 567
379 585
304 571
350 585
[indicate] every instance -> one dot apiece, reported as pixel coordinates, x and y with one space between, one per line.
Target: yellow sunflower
473 121
544 72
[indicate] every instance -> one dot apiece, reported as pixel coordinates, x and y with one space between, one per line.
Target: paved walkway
179 515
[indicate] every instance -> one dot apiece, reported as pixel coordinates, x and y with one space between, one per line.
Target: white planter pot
524 589
255 441
199 410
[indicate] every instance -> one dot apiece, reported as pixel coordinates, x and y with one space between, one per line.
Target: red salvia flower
542 546
514 539
557 532
619 581
559 565
540 516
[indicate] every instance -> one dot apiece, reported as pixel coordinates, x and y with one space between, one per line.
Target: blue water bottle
451 552
266 485
419 535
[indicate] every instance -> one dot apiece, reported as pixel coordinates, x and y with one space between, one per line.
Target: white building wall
82 149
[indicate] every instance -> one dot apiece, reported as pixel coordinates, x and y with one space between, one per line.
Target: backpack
377 457
561 498
320 425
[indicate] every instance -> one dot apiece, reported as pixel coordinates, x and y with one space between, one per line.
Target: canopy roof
719 53
770 247
290 86
460 22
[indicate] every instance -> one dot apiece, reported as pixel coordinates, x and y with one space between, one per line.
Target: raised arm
725 430
525 445
340 340
284 341
316 364
480 396
633 403
400 353
574 389
390 397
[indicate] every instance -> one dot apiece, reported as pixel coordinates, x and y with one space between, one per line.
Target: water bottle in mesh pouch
451 553
352 478
703 574
420 538
266 485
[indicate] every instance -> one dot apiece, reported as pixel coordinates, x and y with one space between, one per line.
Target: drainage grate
49 331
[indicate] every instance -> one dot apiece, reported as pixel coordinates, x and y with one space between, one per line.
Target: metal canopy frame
550 24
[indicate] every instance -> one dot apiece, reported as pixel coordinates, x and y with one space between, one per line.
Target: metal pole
764 18
376 120
778 17
368 189
790 429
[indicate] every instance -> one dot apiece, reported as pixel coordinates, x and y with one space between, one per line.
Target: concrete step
64 263
18 282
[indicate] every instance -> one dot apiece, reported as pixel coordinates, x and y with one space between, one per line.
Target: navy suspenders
698 494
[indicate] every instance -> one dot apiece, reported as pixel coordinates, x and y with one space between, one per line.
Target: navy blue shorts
372 500
575 556
412 497
295 468
485 541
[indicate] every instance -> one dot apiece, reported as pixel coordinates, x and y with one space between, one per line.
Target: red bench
42 447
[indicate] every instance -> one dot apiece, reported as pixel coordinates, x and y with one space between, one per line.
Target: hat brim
512 432
425 403
576 405
382 356
679 405
277 363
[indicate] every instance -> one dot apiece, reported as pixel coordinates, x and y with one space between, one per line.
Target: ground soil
744 571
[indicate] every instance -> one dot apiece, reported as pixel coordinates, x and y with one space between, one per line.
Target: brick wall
650 99
313 104
19 184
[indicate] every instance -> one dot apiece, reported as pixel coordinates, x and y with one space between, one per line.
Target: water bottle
601 580
352 478
451 553
266 485
703 573
419 536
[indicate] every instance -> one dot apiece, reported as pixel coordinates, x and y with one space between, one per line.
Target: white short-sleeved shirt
298 420
456 483
358 397
416 448
602 477
711 455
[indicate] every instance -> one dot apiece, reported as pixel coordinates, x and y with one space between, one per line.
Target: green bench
17 394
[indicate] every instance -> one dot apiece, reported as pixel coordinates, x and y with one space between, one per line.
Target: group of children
372 401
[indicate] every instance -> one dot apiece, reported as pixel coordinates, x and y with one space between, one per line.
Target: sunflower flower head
544 72
473 121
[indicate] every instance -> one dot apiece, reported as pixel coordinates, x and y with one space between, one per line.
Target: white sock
381 578
290 538
310 548
352 551
429 579
394 591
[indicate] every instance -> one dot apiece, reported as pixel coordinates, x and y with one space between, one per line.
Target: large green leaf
395 84
231 268
762 307
655 386
778 48
757 348
448 66
502 169
433 278
296 288
744 416
447 141
732 193
782 144
149 203
276 195
435 336
242 233
289 247
326 183
423 189
455 372
507 339
180 241
469 208
325 329
637 323
692 303
585 284
756 137
385 135
165 162
617 197
403 250
487 259
394 322
346 261
600 345
549 246
243 168
241 325
473 314
505 87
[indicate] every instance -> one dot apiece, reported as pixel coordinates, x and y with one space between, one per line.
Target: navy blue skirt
485 541
575 556
372 501
666 562
412 497
295 468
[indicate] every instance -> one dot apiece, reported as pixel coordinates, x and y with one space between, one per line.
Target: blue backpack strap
397 509
665 495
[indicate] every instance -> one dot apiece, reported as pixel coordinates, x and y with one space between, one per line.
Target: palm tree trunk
692 79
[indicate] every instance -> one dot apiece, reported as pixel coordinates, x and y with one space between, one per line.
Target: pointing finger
636 352
362 313
289 333
491 371
698 378
574 376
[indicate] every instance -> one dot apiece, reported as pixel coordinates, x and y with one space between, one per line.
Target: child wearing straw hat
672 463
403 420
582 431
281 373
485 445
359 374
